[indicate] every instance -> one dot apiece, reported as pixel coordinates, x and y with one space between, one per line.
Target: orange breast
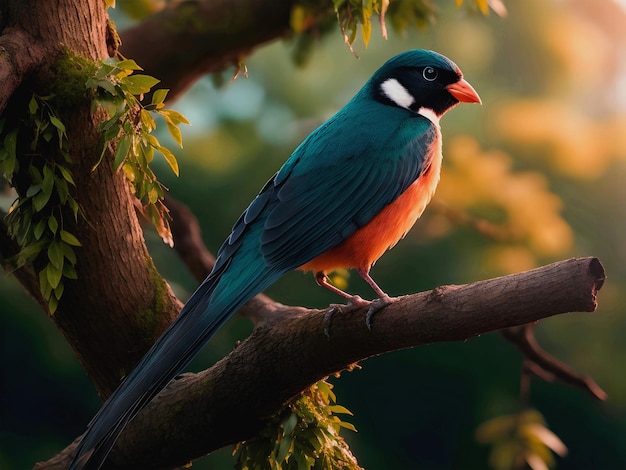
367 244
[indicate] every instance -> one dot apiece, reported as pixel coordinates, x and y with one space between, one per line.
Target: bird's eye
429 74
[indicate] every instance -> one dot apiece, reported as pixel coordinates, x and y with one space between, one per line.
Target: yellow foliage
583 60
220 152
573 143
520 439
530 224
509 259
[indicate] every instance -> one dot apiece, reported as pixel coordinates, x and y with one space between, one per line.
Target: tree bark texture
119 305
290 351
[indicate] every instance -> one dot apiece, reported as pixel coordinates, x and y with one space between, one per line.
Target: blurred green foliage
543 162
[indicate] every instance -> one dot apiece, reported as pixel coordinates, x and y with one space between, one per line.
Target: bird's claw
354 303
376 306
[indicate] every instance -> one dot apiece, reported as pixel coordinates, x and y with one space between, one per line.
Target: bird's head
421 80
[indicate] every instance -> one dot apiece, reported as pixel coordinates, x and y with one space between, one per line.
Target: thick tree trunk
119 304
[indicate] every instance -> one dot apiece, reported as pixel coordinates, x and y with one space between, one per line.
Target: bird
349 192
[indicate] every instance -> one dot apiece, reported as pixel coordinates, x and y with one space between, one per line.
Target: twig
547 367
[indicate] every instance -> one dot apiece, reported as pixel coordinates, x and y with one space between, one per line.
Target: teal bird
349 192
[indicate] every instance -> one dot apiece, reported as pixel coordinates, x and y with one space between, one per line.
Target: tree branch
285 354
20 54
213 34
547 367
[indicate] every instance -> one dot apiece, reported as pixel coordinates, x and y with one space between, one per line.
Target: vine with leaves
41 173
35 159
129 130
303 435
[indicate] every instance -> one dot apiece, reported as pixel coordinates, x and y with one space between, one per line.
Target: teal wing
324 193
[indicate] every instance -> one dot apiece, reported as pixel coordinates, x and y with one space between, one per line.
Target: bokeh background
537 174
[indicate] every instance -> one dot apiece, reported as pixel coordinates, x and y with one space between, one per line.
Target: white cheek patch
429 114
394 90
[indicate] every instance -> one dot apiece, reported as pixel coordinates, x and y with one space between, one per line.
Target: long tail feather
217 298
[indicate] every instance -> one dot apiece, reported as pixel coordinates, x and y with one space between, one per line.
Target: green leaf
67 174
290 424
123 147
147 121
153 195
138 84
10 144
44 284
33 106
349 426
283 448
158 97
32 190
53 302
297 18
170 159
56 122
68 238
39 229
69 271
326 389
53 224
107 67
74 206
29 253
58 291
69 253
62 189
147 151
128 64
40 200
8 163
174 132
174 116
340 409
47 184
53 274
366 31
107 86
55 255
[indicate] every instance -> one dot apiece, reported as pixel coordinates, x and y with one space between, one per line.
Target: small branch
20 54
194 253
188 239
229 402
547 367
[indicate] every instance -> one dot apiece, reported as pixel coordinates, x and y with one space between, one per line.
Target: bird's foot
376 306
354 302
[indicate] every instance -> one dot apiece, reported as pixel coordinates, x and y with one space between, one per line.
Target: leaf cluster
519 440
128 132
305 435
35 159
308 19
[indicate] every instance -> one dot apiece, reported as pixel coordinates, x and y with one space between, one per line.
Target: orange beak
464 92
